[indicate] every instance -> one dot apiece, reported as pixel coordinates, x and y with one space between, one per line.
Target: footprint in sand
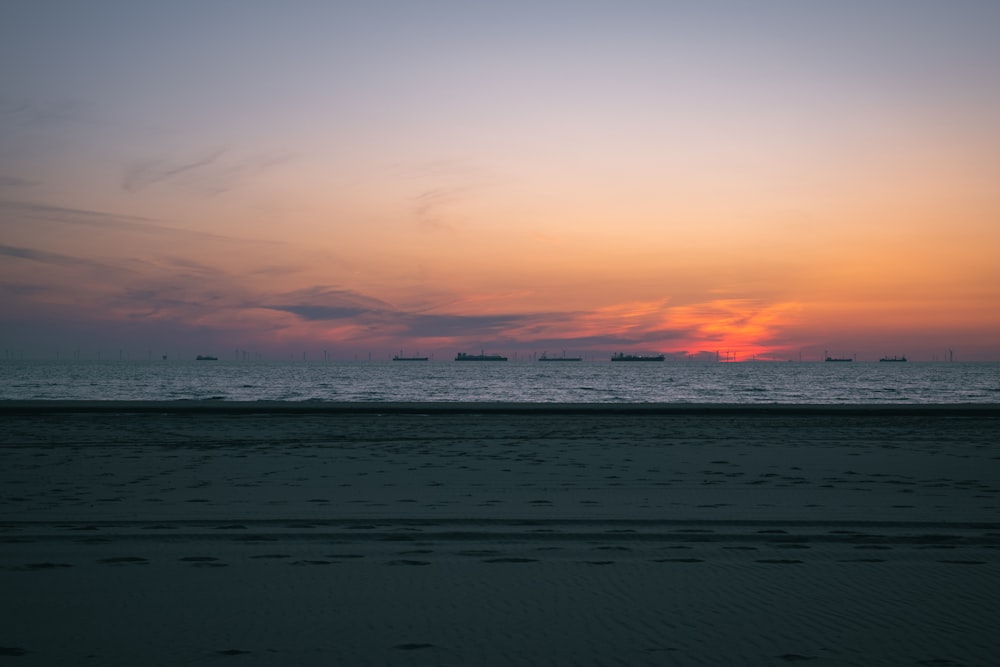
963 562
124 560
255 538
42 566
313 562
203 561
795 657
407 561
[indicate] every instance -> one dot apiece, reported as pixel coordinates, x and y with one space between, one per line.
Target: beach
314 533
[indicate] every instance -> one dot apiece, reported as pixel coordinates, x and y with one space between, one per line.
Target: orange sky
775 183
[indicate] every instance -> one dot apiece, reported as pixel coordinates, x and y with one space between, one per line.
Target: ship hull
633 357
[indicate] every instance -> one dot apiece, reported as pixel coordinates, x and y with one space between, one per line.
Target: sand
460 534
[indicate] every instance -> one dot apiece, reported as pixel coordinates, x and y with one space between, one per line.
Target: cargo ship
545 357
636 357
400 357
203 357
462 356
903 358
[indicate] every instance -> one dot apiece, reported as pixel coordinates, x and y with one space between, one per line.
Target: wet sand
466 534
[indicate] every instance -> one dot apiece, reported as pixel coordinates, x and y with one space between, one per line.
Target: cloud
15 182
149 172
39 113
324 304
430 206
23 289
442 184
52 258
449 325
209 175
37 279
78 216
436 169
324 296
102 219
625 325
322 313
320 304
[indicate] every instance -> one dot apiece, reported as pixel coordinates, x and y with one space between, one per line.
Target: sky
767 180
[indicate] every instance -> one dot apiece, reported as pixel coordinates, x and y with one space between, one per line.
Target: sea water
532 382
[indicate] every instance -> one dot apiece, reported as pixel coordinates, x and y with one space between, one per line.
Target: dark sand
466 534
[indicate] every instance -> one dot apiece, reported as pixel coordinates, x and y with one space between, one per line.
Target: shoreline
40 406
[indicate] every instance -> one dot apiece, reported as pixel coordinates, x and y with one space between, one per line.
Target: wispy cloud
53 258
12 211
439 187
213 173
16 182
22 289
324 296
468 326
25 112
439 169
430 207
141 175
328 306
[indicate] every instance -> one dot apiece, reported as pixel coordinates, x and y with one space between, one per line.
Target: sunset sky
768 179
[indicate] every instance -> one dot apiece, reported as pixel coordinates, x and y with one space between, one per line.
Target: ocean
526 382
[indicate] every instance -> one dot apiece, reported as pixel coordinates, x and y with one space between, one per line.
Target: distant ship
400 357
545 357
206 357
839 359
462 356
636 357
903 358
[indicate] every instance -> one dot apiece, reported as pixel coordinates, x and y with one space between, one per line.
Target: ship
636 357
462 356
903 358
839 359
206 357
545 357
400 357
